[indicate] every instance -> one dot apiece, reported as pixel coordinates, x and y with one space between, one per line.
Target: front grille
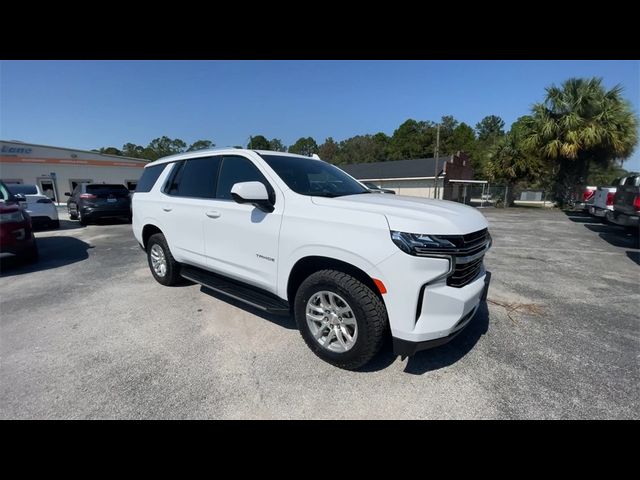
469 258
468 252
464 273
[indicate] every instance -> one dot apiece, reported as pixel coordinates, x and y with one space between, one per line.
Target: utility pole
435 157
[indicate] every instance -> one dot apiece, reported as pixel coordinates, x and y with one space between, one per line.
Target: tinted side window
195 178
149 177
237 169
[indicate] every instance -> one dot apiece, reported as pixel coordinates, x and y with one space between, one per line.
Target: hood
414 214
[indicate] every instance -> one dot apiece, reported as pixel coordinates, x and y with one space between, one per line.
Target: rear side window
633 181
239 169
149 177
194 178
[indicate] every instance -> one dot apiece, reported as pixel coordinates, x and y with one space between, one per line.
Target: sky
92 104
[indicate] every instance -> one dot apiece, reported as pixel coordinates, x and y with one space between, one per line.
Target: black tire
82 219
172 275
73 216
369 310
32 255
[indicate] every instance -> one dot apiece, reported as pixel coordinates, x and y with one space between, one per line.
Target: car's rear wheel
163 266
82 219
31 255
73 214
340 318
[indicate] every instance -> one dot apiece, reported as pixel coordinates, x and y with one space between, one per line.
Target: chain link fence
499 196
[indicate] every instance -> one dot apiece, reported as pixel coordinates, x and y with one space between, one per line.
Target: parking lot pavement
87 333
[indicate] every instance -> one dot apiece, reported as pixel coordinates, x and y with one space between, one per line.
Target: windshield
16 188
313 177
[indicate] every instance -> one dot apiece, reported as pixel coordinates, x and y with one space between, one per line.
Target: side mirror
67 194
254 193
20 197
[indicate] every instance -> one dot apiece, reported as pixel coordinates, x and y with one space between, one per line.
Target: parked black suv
90 201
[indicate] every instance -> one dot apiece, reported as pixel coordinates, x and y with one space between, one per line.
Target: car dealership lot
87 333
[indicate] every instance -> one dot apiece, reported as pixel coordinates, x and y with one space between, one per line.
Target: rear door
186 197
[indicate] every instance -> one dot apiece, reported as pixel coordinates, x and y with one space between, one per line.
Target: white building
58 170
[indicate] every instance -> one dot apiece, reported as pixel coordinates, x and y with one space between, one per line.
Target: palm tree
579 124
510 162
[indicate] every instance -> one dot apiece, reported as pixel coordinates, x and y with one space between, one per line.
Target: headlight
11 217
408 242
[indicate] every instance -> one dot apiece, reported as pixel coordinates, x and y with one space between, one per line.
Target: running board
238 291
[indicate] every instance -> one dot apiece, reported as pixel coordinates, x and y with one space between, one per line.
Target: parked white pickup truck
287 233
602 201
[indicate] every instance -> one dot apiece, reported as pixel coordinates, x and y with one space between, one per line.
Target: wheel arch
148 230
313 263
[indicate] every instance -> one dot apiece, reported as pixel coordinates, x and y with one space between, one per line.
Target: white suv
287 233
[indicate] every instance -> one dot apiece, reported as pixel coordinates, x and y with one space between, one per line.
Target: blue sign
16 150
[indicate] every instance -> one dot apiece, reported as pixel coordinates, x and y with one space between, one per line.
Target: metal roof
71 149
405 169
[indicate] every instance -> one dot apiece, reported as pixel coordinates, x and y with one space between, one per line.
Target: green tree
604 176
328 150
510 162
201 145
412 139
132 150
110 151
276 145
258 142
164 146
490 128
581 124
361 149
304 146
463 139
448 125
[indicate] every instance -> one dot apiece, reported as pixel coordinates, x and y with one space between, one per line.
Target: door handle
212 214
167 209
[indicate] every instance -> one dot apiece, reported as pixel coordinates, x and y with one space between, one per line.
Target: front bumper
407 348
420 305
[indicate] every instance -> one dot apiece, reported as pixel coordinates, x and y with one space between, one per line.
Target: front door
241 241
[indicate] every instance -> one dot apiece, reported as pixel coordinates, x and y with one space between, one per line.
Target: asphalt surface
88 333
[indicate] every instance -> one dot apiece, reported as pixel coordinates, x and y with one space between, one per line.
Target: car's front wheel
340 318
163 266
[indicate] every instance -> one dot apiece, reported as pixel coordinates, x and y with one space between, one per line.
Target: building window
74 182
132 184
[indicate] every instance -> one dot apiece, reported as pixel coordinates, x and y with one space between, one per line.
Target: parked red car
16 232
